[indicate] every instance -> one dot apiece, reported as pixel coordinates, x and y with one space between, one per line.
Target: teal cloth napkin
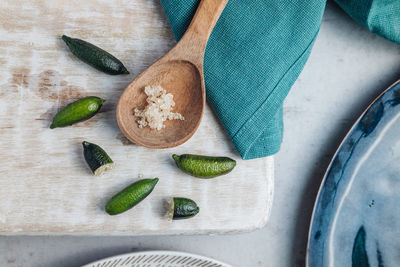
255 53
379 16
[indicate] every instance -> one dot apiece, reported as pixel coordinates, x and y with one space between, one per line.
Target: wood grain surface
45 184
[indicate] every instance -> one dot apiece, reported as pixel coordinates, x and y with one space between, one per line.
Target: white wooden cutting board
45 185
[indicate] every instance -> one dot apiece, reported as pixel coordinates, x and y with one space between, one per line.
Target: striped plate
159 259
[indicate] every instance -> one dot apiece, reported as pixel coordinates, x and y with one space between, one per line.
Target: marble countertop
347 69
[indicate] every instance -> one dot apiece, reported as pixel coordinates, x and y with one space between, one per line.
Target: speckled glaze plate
158 259
356 219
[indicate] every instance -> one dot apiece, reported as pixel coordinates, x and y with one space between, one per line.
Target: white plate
159 259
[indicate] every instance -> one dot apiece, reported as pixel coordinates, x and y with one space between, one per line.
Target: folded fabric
255 53
379 16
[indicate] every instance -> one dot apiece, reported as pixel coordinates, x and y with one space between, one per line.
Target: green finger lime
97 159
95 56
204 166
181 208
77 111
130 196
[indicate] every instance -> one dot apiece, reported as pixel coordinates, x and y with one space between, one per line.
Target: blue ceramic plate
356 219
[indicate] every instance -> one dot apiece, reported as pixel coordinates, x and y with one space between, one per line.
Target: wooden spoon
179 72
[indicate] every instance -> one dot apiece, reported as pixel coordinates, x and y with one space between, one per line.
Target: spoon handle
202 24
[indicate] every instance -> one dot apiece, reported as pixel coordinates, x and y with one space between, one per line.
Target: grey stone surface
348 68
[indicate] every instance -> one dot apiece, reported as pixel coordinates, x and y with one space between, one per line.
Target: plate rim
317 199
159 252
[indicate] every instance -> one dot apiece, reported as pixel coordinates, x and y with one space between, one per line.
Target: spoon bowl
179 72
178 77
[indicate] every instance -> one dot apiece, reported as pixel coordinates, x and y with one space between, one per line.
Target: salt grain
158 109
